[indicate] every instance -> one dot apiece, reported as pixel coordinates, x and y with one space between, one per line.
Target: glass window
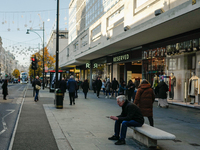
140 2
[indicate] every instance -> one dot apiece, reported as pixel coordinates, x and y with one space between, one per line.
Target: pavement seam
17 121
68 145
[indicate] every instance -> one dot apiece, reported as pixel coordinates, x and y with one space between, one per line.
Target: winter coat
63 86
36 82
85 87
144 99
98 84
108 86
115 84
121 90
131 112
161 90
71 85
5 88
131 88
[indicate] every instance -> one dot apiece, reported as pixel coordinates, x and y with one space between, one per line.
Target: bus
24 78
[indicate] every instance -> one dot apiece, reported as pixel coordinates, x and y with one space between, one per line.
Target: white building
134 39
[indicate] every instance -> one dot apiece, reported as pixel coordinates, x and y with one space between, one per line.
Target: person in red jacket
144 100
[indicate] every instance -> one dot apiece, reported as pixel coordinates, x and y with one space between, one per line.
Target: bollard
58 99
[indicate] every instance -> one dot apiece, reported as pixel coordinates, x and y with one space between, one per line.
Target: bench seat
149 135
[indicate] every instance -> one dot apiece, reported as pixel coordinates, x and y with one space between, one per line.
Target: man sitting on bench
130 116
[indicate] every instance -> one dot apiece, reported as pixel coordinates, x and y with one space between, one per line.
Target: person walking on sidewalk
161 91
130 88
98 86
38 83
63 86
5 89
107 88
115 86
144 100
103 86
122 88
130 116
94 85
85 87
71 85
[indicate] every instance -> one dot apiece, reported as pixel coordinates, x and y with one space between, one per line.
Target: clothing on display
155 81
173 84
193 88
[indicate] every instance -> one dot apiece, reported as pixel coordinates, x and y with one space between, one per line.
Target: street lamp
33 30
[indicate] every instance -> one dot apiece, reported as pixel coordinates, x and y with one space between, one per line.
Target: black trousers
151 121
72 97
98 90
4 96
85 93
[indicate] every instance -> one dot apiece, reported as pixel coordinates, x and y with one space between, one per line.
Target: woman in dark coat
85 87
63 86
131 88
5 89
161 91
144 100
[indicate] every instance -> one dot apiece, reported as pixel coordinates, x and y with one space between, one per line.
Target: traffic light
34 63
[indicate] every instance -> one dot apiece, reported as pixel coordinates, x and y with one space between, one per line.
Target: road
9 111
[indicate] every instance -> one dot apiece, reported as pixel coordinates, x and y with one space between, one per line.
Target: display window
179 64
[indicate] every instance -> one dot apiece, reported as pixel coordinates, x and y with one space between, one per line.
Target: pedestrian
71 85
5 89
115 86
36 85
77 87
94 85
130 88
137 83
85 87
144 100
98 86
63 86
122 88
107 88
103 86
161 91
130 116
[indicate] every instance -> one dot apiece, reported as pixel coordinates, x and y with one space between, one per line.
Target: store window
179 64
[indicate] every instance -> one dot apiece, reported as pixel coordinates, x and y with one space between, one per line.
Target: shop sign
121 58
95 65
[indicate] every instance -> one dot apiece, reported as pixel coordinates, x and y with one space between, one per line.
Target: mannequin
173 84
193 87
155 81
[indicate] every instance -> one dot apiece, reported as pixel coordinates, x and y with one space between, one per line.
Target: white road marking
3 122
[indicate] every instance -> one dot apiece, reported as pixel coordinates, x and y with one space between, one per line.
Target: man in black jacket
130 116
36 82
98 86
115 86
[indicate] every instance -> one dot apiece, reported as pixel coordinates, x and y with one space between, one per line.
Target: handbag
37 87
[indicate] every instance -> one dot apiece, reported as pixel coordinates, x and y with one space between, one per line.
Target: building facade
137 39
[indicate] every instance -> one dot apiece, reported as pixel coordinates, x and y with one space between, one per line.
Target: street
9 111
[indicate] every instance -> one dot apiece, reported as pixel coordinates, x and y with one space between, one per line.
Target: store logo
121 58
95 65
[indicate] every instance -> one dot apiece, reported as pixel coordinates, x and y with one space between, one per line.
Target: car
15 81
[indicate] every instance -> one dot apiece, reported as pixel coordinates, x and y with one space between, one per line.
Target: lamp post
33 30
57 43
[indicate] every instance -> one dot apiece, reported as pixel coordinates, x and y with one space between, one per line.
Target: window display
193 87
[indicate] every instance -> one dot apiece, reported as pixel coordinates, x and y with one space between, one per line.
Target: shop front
128 65
179 64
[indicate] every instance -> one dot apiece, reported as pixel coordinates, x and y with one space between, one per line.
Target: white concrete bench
149 135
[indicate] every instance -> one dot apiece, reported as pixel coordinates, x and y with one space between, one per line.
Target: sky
16 16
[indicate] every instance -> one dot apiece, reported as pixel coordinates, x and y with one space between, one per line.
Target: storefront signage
95 65
121 58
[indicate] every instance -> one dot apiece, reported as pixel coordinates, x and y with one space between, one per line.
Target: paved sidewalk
84 126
